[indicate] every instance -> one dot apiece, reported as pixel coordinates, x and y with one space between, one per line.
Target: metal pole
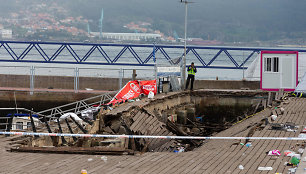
76 79
155 65
32 74
185 45
120 78
243 67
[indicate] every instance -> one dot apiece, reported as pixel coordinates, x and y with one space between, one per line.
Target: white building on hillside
6 34
128 36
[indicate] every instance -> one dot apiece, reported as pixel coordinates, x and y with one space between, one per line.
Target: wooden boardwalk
214 156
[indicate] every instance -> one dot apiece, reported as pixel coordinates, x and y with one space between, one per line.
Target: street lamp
183 71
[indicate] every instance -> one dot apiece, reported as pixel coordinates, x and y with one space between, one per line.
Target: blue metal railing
113 54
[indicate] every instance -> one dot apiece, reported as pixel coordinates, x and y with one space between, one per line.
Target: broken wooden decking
215 156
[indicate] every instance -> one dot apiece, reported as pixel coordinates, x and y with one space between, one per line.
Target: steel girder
10 53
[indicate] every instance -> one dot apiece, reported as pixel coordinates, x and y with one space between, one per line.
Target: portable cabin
279 70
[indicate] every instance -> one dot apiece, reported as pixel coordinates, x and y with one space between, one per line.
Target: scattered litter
88 89
288 126
241 144
304 130
273 117
83 171
298 156
274 153
90 112
241 167
130 100
289 153
294 160
292 170
265 168
179 150
104 158
151 95
89 159
248 144
137 99
282 110
277 126
200 119
304 159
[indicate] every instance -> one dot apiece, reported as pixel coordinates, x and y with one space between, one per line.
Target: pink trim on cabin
276 89
278 52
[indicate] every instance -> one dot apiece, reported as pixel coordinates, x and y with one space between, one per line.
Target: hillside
228 21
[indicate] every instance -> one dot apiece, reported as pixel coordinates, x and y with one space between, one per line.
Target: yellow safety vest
191 71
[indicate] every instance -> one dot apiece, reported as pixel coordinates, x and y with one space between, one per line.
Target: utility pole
183 69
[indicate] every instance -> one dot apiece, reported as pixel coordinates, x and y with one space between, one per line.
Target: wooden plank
260 152
139 122
264 161
74 150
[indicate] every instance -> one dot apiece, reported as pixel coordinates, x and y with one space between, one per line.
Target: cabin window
272 64
19 125
29 125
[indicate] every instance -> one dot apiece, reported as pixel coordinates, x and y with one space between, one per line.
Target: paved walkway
215 156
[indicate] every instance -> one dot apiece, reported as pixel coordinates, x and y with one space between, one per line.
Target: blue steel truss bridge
129 54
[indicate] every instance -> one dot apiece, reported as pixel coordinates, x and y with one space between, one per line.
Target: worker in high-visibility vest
191 73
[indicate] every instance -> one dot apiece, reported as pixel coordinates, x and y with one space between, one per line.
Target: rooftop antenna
101 24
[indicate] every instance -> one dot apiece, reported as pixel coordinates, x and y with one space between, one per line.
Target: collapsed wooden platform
215 156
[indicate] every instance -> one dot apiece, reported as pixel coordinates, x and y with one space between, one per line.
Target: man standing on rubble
191 69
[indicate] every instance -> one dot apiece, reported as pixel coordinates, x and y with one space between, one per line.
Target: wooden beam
76 150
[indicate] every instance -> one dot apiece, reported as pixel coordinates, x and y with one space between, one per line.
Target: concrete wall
226 84
40 100
58 82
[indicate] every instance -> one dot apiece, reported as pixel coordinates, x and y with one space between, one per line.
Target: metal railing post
32 79
120 78
76 79
33 124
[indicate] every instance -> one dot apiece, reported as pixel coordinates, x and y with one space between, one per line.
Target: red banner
129 91
133 89
147 86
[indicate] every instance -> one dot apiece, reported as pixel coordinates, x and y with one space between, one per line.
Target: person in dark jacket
191 73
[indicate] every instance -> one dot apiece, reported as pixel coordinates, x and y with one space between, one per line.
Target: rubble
171 115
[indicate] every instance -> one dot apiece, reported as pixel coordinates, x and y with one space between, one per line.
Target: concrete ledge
109 84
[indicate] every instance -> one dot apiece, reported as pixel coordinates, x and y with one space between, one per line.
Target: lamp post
183 71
